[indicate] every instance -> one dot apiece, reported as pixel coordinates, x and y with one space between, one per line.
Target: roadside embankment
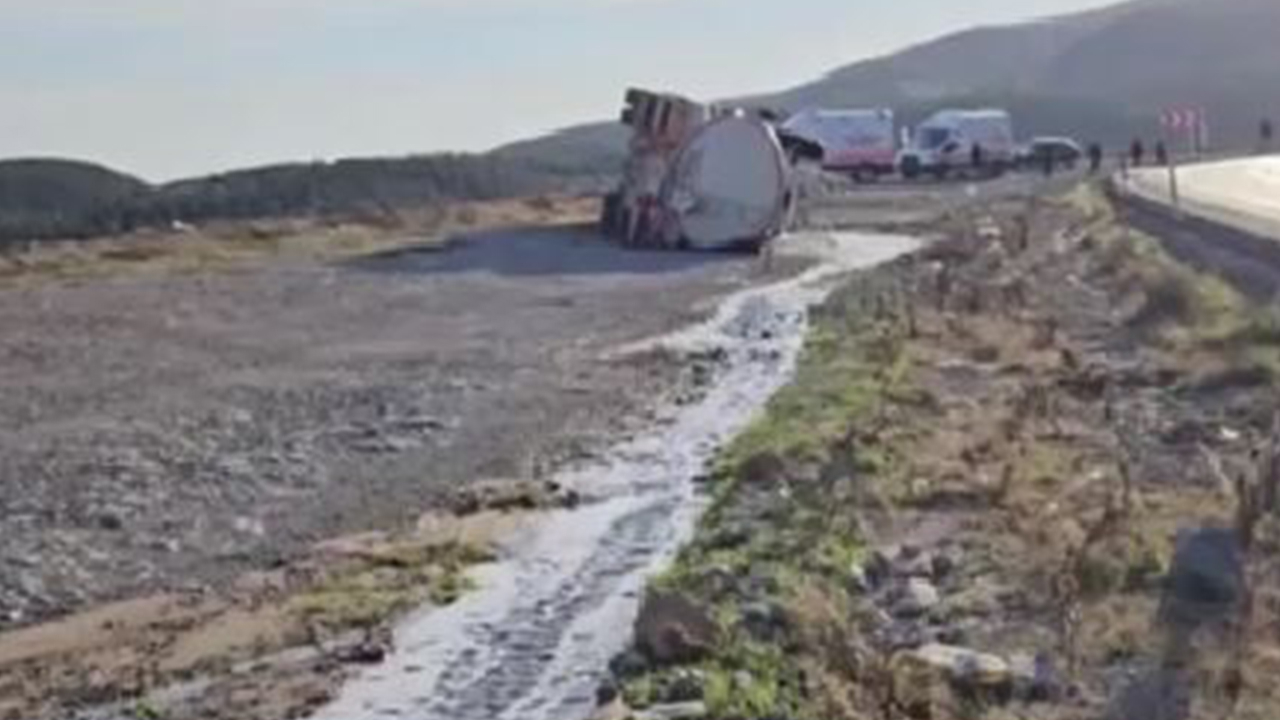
1026 472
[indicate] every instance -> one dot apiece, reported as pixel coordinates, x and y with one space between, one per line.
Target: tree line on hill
60 199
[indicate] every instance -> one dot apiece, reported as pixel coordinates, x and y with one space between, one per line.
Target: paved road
1243 193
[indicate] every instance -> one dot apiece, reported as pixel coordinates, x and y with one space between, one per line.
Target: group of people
1138 153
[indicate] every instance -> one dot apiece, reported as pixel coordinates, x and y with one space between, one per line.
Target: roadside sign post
1191 122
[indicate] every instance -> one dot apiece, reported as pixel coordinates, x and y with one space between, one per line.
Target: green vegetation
783 517
383 584
1192 314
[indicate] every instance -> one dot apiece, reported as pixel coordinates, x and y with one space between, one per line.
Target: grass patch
1196 316
783 517
380 585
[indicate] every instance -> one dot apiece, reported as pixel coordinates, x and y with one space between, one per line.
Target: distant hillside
1101 75
48 197
64 199
600 146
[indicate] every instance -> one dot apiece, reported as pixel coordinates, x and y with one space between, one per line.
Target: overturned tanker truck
702 177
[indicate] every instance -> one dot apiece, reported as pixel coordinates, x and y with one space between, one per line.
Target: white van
860 142
946 143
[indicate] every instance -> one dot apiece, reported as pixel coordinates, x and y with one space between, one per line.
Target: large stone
677 711
965 668
917 597
628 664
672 629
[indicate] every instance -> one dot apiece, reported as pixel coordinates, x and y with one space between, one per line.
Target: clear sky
166 88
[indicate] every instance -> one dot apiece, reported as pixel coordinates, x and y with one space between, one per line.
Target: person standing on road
1162 154
1095 158
1266 132
975 157
1136 152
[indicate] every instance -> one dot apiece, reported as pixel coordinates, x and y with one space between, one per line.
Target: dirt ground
186 425
1030 472
162 430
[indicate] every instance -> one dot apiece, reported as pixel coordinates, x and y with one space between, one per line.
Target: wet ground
533 642
180 429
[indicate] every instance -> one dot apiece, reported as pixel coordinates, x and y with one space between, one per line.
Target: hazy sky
165 88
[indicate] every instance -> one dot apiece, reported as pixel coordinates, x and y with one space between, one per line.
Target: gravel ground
163 431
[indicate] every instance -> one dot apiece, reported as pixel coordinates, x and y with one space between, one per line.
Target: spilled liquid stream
532 642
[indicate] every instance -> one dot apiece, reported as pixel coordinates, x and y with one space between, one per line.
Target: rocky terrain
165 430
1029 472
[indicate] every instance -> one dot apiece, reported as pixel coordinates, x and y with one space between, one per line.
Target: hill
66 199
50 197
1101 74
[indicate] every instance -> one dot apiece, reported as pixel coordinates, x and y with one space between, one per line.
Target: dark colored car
1065 152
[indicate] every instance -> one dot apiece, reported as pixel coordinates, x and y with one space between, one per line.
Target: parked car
1065 153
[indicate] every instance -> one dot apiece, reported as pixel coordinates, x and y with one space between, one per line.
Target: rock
607 694
677 711
981 599
878 568
682 687
917 597
967 669
1206 578
764 621
950 635
943 566
365 653
512 495
914 564
674 630
858 583
110 521
628 664
901 636
764 469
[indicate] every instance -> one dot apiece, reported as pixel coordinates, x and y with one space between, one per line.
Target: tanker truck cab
946 142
